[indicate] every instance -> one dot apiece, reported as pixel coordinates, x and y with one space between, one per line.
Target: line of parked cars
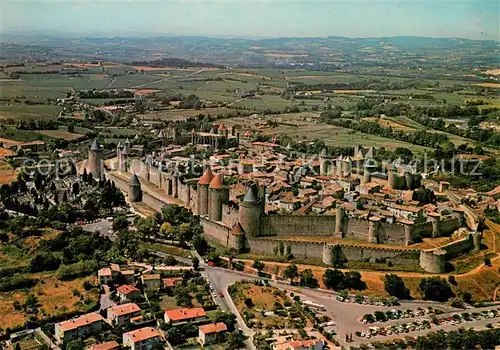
422 324
397 314
417 325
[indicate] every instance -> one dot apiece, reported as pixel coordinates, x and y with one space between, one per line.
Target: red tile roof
125 309
80 321
110 345
213 328
142 334
237 229
185 313
206 177
126 289
170 282
217 182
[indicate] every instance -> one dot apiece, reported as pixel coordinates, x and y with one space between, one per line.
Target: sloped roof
206 177
95 146
213 328
134 180
217 182
251 195
185 313
237 229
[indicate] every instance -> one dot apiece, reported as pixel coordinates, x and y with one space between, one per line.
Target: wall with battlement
155 176
372 254
459 246
357 229
140 168
299 249
216 231
298 225
229 215
152 201
449 224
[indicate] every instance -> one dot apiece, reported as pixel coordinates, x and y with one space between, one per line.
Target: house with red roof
128 292
185 315
78 327
141 339
211 333
121 315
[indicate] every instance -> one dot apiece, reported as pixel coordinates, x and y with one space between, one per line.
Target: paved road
346 315
102 226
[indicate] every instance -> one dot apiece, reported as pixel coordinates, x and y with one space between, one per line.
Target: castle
242 222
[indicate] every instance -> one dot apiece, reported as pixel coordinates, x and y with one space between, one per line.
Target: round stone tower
202 189
250 211
433 260
340 221
216 197
373 229
367 176
391 177
95 161
128 145
328 254
134 192
435 219
477 241
409 180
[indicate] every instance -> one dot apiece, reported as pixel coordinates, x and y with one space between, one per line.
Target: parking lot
418 322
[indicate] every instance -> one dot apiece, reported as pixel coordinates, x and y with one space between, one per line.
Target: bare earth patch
59 134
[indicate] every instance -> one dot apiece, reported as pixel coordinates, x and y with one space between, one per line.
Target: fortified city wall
275 225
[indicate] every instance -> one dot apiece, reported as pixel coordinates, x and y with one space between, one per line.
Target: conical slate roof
95 146
206 177
251 194
134 180
161 135
217 182
323 153
120 144
237 229
127 141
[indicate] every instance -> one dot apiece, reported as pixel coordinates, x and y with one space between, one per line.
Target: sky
477 19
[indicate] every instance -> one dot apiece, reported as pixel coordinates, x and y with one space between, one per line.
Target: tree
249 302
259 266
424 195
196 262
120 223
353 280
291 272
235 340
395 286
435 288
307 278
334 279
175 336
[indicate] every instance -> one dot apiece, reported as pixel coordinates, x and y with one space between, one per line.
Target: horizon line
227 37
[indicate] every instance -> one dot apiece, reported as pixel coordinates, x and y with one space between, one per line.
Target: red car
221 295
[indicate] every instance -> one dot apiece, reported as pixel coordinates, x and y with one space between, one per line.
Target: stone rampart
298 225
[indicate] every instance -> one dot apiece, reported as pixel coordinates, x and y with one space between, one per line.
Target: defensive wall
171 189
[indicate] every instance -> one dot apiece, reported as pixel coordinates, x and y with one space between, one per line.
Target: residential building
141 339
312 344
211 333
185 315
105 275
151 282
128 292
78 327
169 283
120 315
128 275
110 345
